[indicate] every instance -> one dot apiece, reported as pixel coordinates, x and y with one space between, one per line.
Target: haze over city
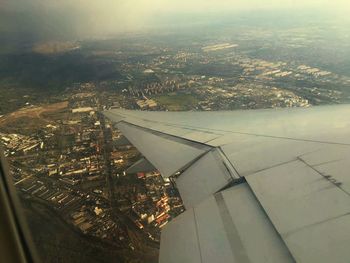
79 19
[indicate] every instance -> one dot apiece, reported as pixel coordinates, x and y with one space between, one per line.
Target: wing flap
186 248
230 226
207 175
168 154
141 165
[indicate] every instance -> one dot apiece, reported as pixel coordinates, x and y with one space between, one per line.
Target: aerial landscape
69 163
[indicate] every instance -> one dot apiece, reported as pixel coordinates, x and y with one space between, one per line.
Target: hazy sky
99 17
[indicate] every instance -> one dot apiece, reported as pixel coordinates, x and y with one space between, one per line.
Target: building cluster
245 96
219 76
14 143
89 213
158 203
66 166
313 71
146 104
154 88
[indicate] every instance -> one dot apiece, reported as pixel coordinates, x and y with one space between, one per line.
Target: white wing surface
258 185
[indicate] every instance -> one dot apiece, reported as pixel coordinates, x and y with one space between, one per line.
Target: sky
88 18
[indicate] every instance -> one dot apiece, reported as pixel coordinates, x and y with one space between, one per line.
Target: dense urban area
68 161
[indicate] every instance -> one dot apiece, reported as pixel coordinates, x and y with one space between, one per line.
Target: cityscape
69 163
76 168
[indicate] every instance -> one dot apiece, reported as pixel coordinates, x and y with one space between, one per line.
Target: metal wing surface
258 185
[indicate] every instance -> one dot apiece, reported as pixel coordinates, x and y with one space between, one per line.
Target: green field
176 102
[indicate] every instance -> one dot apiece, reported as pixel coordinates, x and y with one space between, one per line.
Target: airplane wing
258 185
